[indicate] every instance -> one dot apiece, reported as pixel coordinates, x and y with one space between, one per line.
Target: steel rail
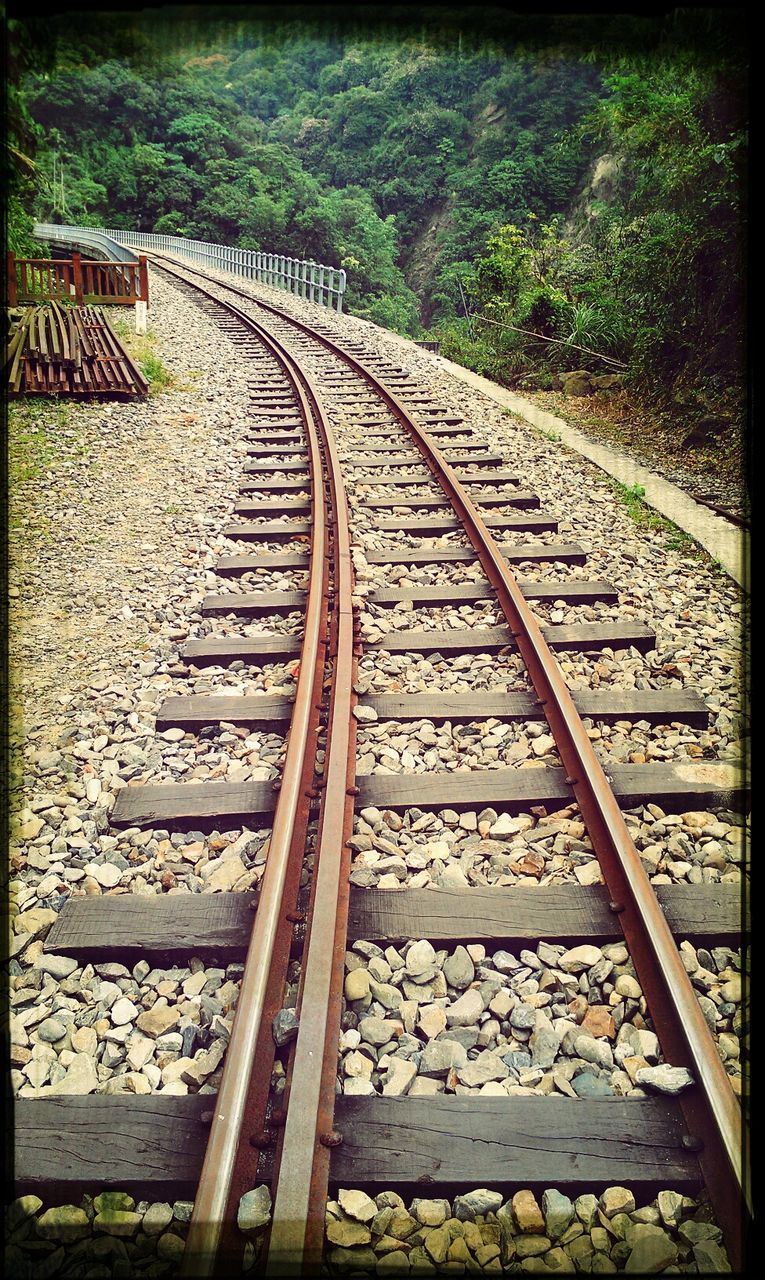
303 1162
212 1206
712 1112
297 1228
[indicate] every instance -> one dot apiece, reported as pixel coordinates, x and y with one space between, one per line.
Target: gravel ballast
101 612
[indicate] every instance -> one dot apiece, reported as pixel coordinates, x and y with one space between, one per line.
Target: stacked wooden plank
72 351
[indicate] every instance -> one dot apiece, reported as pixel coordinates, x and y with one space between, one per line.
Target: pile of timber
70 351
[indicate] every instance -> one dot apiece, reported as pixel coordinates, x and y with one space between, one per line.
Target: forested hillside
584 190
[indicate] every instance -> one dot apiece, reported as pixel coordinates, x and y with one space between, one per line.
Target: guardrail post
312 266
321 286
341 290
77 277
143 279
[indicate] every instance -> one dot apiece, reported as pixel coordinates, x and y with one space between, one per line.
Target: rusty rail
71 351
238 1112
303 1170
711 1111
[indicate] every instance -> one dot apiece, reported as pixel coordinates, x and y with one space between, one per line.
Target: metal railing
311 280
91 237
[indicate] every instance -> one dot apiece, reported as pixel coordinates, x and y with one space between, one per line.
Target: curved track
307 1141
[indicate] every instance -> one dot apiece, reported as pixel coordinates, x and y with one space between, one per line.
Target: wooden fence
75 280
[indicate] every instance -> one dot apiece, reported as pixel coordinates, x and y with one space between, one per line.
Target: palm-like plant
595 329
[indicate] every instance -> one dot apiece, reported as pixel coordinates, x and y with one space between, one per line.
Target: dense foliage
585 194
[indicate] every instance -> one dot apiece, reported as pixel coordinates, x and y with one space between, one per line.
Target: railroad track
413 471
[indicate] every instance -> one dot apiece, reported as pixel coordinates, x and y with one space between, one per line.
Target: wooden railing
75 280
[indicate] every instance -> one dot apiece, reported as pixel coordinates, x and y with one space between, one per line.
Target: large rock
379 1031
431 1213
398 1078
558 1211
664 1079
544 1042
170 1247
710 1259
65 1222
420 958
432 1020
36 922
577 959
527 1213
80 1078
592 1050
357 1205
346 1232
577 383
157 1217
438 1057
357 984
459 969
56 966
117 1222
160 1018
484 1201
487 1066
607 381
26 1207
285 1027
437 1243
466 1011
614 1200
531 1246
51 1030
225 875
652 1251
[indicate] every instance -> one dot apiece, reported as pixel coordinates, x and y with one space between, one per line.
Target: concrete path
724 541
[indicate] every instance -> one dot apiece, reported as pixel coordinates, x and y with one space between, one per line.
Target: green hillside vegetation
587 192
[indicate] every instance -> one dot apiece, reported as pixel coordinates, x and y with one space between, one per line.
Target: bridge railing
311 280
90 237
